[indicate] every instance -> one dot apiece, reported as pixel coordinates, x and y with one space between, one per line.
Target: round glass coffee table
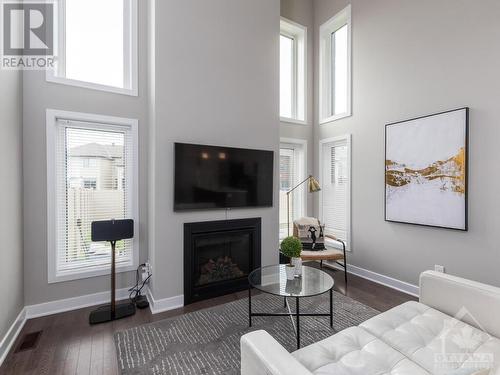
272 280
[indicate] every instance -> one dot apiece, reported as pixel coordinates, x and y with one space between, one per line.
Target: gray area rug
208 341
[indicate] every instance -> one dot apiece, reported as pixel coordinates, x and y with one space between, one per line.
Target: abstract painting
426 170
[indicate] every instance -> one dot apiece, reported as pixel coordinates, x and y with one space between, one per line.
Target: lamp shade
313 185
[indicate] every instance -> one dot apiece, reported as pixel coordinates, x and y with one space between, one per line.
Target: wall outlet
439 268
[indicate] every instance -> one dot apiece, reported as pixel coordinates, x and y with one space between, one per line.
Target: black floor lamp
313 187
112 231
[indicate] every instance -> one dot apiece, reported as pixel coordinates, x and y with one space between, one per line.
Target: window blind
291 173
287 179
94 181
335 193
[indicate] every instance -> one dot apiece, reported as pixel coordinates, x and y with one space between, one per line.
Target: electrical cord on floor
135 296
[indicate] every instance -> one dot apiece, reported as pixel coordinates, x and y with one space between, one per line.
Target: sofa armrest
261 354
469 301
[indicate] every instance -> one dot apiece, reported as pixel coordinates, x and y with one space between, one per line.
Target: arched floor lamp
312 186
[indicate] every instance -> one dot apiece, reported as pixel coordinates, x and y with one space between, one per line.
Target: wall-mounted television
212 177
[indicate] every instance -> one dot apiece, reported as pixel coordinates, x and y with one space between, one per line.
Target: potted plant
291 247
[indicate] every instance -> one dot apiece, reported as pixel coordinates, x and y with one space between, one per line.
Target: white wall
216 82
38 96
11 209
414 58
302 12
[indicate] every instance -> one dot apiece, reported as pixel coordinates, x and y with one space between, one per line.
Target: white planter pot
297 262
290 272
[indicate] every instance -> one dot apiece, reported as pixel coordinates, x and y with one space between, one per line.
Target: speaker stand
112 311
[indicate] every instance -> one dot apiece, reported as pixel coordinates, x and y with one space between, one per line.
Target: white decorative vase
290 272
297 262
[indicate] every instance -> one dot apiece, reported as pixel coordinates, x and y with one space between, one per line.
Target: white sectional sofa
454 329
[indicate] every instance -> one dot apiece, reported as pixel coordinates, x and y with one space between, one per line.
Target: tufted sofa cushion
355 351
435 341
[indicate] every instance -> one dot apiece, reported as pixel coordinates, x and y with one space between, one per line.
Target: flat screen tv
211 177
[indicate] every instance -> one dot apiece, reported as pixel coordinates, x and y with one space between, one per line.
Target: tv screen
222 177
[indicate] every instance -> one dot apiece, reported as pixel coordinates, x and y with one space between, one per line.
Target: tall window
97 45
335 206
292 172
335 67
81 192
293 40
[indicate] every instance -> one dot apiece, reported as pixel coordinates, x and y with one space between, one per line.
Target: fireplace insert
218 256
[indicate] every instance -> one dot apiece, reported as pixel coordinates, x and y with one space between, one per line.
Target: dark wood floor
68 345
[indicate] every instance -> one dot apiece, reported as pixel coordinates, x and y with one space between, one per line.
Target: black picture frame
466 172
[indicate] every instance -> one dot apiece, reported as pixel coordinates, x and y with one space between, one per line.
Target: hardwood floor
68 345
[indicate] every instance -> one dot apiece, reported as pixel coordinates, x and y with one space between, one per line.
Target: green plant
291 247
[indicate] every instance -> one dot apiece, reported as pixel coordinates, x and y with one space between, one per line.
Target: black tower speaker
112 231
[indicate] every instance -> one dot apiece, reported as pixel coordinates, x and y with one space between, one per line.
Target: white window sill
334 118
104 270
293 121
50 77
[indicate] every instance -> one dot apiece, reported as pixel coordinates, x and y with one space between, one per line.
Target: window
97 45
292 172
335 194
89 163
90 184
335 67
293 40
79 195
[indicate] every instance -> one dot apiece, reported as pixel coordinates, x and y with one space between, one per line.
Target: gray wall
414 58
219 89
216 83
38 96
11 209
302 12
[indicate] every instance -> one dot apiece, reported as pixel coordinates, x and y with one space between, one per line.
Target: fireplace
218 256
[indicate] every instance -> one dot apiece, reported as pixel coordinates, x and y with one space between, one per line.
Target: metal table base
297 313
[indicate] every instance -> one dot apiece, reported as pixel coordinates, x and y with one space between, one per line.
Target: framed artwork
426 166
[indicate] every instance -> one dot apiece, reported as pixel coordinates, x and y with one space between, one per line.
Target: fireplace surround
218 256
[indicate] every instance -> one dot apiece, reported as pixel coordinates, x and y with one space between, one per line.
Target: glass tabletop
272 279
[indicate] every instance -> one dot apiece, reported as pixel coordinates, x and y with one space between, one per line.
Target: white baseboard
378 278
160 305
75 303
11 335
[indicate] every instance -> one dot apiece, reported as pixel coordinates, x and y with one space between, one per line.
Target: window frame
326 94
130 53
301 146
298 33
90 121
347 138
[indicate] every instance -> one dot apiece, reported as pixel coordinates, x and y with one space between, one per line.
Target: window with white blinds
335 204
93 168
292 172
